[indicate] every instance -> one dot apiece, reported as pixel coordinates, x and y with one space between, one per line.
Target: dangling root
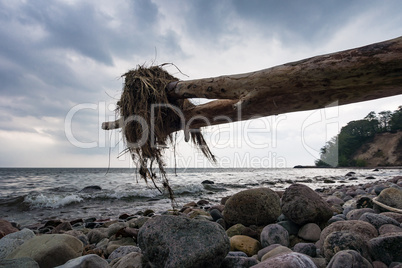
149 115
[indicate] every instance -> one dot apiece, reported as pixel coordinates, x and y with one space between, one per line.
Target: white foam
51 201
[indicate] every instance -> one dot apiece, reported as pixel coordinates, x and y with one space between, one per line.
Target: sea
34 195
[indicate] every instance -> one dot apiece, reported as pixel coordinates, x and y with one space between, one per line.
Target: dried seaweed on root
149 117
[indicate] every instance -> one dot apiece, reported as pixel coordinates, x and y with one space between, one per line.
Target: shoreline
344 201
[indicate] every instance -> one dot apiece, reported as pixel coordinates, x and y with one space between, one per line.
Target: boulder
13 240
387 248
18 263
175 241
349 259
49 250
310 232
365 229
246 244
6 228
377 220
344 240
131 260
274 234
290 260
260 206
391 197
302 205
90 261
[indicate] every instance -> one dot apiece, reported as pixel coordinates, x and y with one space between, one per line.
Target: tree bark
355 75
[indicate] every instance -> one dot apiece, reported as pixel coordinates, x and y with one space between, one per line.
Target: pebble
310 232
274 234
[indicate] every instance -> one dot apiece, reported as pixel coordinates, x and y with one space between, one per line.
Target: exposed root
149 117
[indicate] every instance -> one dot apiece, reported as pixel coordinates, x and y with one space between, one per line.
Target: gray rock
25 234
238 262
131 260
274 234
344 240
13 240
377 220
306 248
302 205
355 214
87 261
387 248
364 229
18 263
260 206
122 251
9 245
310 232
349 259
49 250
289 260
174 241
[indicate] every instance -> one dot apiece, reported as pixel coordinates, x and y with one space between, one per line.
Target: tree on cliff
355 134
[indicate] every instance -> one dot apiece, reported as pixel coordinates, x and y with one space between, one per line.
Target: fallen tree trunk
355 75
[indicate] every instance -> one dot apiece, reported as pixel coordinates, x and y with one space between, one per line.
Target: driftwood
355 75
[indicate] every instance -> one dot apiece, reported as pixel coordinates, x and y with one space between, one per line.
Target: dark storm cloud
291 21
37 35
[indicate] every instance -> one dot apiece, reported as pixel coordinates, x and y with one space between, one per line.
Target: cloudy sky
61 62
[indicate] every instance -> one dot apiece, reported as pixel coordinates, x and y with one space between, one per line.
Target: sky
61 63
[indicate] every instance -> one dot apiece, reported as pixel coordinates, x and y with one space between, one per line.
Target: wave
51 201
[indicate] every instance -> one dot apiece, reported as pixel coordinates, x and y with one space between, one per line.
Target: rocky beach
333 226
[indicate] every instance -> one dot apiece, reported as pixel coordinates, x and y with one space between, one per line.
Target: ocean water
32 195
